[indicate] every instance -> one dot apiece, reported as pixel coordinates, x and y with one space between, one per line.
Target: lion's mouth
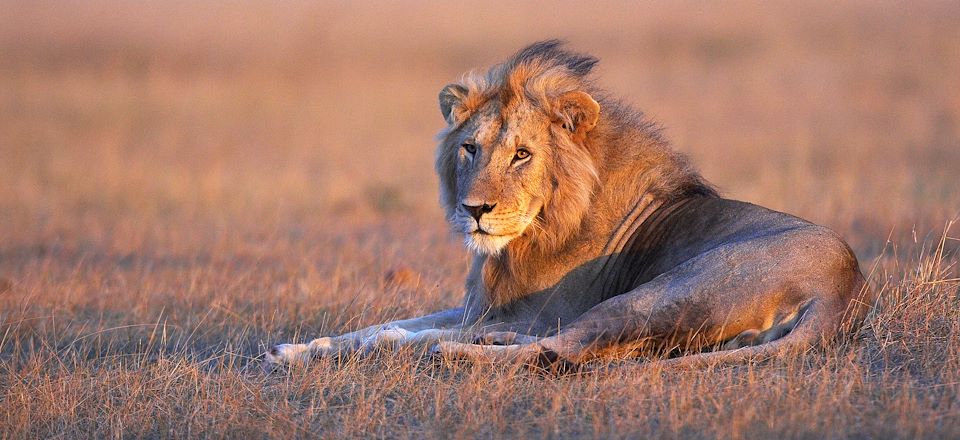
486 243
476 230
483 233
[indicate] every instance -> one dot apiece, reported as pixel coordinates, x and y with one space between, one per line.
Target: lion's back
682 230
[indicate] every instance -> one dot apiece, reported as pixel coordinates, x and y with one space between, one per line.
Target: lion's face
512 168
502 157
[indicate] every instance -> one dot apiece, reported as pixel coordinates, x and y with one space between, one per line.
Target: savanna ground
183 184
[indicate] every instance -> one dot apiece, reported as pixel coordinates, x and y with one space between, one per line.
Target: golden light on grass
181 185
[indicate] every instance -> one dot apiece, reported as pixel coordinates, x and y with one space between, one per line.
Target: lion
592 238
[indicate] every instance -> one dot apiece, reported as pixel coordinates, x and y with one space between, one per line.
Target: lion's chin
487 244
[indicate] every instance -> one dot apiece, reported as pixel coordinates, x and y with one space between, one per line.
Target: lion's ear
578 112
451 101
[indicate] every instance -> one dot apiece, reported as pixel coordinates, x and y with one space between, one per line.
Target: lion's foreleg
430 329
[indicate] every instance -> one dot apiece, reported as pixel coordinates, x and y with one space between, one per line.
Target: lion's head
514 160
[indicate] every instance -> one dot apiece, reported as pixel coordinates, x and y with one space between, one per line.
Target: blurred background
182 124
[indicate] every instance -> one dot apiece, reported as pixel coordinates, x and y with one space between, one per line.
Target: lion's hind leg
809 330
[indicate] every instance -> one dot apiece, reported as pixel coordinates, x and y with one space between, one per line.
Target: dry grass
182 184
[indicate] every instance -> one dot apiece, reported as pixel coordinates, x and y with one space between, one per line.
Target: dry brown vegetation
182 184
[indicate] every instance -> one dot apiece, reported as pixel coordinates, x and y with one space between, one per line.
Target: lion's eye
522 154
469 148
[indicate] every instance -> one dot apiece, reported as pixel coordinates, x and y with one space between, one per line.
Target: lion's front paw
284 355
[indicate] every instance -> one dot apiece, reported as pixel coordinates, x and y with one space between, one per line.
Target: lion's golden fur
623 153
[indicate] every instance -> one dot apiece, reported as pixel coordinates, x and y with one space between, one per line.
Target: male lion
591 237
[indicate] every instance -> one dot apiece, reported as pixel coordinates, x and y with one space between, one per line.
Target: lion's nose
476 211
